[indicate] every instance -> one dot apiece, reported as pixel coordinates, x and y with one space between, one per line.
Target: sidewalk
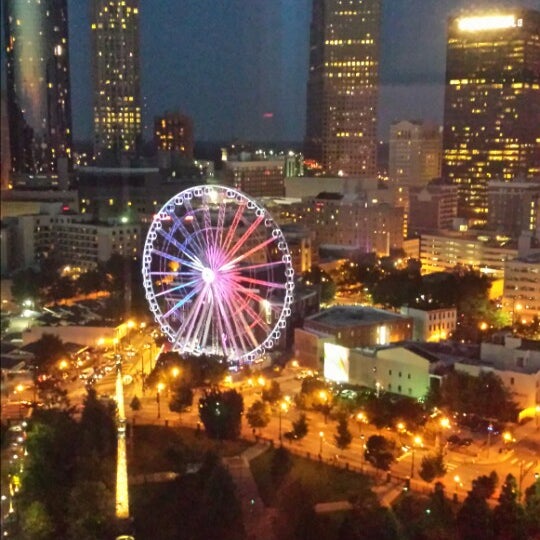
257 517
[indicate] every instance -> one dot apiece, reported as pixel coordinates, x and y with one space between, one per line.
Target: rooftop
343 316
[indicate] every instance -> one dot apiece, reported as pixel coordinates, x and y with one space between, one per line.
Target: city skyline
241 67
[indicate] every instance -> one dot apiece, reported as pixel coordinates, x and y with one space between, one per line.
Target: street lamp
283 408
321 438
444 423
417 441
489 430
456 481
362 419
160 387
175 371
323 394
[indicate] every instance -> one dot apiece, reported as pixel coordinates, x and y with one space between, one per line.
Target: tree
181 397
25 285
98 426
300 427
296 516
258 415
508 515
343 435
48 350
51 394
432 467
317 276
36 523
91 511
222 514
221 413
135 404
272 392
280 464
485 485
379 452
474 518
532 507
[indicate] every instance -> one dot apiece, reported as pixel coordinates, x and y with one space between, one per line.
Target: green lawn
327 483
160 448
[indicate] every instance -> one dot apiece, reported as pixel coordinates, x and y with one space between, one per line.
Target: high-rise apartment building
115 56
342 86
415 153
38 87
514 207
173 132
492 104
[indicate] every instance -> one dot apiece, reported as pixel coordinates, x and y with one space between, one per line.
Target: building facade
514 207
521 296
173 132
116 71
415 153
444 251
432 207
38 85
343 86
492 104
431 324
354 223
257 178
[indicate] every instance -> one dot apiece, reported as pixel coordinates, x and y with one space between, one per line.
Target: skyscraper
415 152
492 104
115 56
343 85
173 132
38 88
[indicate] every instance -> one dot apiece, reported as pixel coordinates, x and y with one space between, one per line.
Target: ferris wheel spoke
194 315
177 288
172 273
261 265
187 319
218 237
194 265
187 235
234 225
229 265
269 284
202 317
241 241
183 248
243 326
180 303
257 319
226 321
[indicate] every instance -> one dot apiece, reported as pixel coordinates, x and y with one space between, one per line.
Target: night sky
227 62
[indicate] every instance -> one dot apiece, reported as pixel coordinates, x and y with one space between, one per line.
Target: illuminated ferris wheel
217 274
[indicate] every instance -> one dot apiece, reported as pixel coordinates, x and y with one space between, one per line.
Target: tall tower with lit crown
492 104
342 89
38 87
115 55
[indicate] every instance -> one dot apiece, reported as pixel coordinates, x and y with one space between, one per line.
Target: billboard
336 363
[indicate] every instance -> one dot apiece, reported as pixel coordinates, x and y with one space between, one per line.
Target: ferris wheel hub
208 275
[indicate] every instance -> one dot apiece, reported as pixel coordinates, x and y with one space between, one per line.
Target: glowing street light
175 371
283 408
261 381
417 442
160 387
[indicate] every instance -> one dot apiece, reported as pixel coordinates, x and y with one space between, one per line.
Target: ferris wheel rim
249 347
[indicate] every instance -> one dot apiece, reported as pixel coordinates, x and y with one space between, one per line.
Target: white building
431 324
521 297
415 153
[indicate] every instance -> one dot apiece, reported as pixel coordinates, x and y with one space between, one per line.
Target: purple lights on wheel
217 274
